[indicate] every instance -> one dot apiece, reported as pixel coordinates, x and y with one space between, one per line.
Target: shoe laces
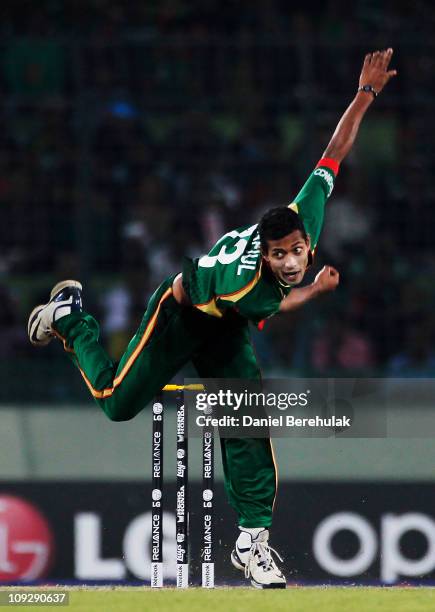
264 552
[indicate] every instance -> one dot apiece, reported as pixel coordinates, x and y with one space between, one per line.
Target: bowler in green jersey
202 314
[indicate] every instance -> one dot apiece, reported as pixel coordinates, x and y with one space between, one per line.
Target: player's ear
310 253
264 252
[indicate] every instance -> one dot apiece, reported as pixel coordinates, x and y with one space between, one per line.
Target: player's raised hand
327 279
375 70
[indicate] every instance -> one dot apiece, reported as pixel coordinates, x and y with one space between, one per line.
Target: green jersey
233 274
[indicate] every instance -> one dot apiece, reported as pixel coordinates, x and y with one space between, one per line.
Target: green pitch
299 599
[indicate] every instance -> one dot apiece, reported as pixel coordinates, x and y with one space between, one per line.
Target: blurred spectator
342 347
34 67
417 360
134 135
13 335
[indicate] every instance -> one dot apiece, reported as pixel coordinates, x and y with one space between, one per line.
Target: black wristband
368 89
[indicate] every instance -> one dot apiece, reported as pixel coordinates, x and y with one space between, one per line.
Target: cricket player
202 315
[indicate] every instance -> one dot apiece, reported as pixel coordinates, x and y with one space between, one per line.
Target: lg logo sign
26 541
393 563
136 558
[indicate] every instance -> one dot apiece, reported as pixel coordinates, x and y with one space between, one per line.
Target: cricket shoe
253 555
65 298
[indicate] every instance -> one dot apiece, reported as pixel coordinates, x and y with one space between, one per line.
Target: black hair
277 223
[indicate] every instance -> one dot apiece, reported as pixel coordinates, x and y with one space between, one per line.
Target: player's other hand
375 70
327 279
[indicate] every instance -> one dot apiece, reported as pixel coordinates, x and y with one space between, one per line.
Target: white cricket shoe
65 298
253 555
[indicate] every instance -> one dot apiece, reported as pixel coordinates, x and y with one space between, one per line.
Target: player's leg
248 463
64 308
160 347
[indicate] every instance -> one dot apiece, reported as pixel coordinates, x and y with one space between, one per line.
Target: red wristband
327 162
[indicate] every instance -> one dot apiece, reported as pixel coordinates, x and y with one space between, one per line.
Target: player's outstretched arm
374 76
326 280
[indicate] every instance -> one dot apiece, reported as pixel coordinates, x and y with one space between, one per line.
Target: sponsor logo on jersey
324 174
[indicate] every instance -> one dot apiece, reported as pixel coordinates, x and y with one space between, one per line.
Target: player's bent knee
117 418
116 413
120 408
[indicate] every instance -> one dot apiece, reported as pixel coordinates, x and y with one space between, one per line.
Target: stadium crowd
135 135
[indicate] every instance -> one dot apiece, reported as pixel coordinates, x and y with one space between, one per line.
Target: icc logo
26 541
180 453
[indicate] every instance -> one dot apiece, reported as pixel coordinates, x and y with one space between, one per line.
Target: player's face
288 257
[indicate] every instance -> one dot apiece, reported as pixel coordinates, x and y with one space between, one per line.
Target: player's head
285 244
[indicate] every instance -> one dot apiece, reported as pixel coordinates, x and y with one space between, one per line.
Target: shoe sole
257 585
38 309
273 585
64 285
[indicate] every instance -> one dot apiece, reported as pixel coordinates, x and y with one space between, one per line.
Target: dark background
133 133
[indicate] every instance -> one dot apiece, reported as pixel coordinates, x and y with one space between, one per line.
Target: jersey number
223 257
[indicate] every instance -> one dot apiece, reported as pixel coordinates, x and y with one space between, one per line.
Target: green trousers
168 337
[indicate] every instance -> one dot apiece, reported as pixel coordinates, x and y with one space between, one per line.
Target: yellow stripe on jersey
102 394
211 307
275 467
237 295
